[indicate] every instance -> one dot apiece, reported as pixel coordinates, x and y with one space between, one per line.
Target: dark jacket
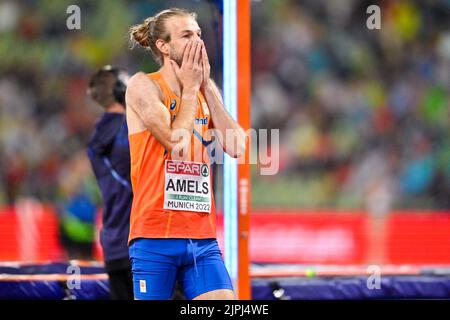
109 154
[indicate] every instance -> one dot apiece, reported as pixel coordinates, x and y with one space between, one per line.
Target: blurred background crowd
363 114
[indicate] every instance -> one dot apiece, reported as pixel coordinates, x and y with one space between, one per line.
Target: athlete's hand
206 68
190 73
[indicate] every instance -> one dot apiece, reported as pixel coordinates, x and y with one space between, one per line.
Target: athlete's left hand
206 68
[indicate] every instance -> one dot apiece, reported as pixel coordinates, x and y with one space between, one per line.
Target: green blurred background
363 114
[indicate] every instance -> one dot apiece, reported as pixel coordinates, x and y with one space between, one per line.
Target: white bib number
187 186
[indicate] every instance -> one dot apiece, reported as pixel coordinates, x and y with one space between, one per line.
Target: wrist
189 93
190 90
206 85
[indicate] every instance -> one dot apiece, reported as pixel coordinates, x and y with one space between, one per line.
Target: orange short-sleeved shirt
156 188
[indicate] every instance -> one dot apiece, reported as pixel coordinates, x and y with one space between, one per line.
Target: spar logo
191 168
205 170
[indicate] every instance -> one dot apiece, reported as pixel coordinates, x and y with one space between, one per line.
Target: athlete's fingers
187 50
192 53
197 59
205 59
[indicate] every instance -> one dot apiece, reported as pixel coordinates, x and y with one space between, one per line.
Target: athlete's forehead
178 25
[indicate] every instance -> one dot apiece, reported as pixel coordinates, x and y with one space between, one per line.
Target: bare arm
222 121
143 97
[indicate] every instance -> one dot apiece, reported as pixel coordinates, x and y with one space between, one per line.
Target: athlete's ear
162 46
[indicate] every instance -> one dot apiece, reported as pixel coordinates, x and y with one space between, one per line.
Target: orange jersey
172 199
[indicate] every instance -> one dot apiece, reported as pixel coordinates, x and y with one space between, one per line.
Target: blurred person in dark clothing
110 158
109 154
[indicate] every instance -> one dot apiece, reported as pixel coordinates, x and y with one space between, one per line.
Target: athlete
108 152
171 115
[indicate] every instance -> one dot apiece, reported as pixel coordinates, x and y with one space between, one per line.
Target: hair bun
141 32
154 28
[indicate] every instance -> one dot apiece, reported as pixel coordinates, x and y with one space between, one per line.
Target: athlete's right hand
190 74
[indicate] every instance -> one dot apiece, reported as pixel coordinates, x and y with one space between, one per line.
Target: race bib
187 186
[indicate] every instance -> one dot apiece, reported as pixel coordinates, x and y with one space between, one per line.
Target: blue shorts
157 264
